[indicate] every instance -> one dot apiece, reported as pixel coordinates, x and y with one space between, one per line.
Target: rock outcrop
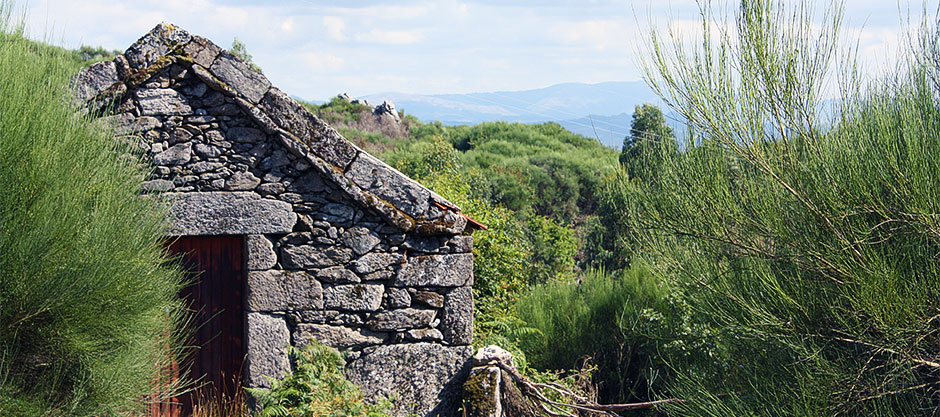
382 119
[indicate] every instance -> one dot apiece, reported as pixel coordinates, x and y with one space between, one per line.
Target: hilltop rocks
387 109
383 119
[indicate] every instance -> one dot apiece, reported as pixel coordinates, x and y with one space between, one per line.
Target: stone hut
299 234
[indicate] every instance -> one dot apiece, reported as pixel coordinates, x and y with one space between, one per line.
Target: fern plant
316 387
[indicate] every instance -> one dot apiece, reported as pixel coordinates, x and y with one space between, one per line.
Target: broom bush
88 306
805 237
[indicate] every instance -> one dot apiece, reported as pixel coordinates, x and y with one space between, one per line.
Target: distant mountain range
600 110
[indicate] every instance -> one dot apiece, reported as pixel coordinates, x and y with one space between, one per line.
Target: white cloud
390 37
316 48
321 62
335 27
387 12
878 47
288 25
600 35
495 64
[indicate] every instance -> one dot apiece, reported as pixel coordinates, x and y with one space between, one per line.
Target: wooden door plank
217 298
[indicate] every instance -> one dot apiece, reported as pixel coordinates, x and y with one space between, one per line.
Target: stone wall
341 248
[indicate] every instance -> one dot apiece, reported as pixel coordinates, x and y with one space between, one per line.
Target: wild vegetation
806 245
533 185
89 312
782 261
800 249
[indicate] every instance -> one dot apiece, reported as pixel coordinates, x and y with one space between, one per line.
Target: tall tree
650 140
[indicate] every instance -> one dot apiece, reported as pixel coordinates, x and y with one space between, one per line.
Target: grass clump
88 307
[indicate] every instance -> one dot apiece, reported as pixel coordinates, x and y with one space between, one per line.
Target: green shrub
808 248
89 55
316 388
501 268
88 307
339 111
427 158
542 168
553 249
621 321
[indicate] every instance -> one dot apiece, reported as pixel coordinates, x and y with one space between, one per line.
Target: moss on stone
138 77
479 392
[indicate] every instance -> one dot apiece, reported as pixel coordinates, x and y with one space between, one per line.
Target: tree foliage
540 167
240 50
650 141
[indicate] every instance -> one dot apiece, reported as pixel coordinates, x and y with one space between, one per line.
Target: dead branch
531 390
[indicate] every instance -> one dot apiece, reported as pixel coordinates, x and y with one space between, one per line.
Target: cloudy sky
315 49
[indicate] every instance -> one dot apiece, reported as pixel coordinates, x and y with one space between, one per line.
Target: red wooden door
216 296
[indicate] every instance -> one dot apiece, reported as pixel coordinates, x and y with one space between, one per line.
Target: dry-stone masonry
341 248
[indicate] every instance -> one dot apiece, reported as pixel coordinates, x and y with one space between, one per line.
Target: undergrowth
316 388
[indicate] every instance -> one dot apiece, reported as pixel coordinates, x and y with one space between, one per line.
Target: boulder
162 102
393 371
337 274
93 81
403 319
239 76
373 262
304 257
430 335
360 239
387 108
398 298
457 318
178 154
388 184
260 253
436 271
159 42
429 298
492 355
242 181
227 213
